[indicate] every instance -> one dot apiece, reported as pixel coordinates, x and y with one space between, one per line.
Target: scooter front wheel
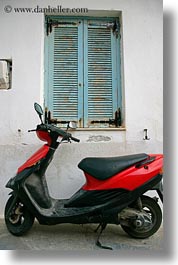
151 207
19 220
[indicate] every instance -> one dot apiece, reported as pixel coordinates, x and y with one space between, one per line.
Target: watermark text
46 10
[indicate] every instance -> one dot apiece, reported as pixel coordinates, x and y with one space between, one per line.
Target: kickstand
103 226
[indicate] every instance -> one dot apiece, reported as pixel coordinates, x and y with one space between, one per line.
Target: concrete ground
77 237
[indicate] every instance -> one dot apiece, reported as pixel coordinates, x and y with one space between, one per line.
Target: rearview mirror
72 124
39 110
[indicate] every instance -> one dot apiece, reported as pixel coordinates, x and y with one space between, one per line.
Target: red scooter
113 192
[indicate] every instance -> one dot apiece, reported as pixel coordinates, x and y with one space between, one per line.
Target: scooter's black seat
105 167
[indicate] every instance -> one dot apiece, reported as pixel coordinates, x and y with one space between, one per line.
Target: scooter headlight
10 183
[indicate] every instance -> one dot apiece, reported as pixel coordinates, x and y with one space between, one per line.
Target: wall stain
98 138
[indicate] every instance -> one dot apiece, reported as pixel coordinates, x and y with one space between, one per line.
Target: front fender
15 195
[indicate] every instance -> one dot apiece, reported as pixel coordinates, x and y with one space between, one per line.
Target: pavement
77 237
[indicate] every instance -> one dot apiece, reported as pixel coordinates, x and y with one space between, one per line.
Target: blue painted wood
99 74
46 65
83 80
65 73
80 75
101 95
114 73
85 41
118 69
63 59
50 72
48 68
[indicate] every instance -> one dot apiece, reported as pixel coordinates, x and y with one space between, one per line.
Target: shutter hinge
116 28
54 23
117 121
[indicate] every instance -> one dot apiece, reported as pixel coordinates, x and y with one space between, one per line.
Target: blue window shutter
82 77
65 77
100 95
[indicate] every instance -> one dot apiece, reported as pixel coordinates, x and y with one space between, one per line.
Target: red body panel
44 136
129 179
42 152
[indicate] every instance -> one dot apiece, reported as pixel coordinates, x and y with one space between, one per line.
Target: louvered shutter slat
65 73
99 74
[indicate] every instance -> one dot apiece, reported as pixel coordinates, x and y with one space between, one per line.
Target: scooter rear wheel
19 220
151 207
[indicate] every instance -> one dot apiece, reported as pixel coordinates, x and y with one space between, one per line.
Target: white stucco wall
22 40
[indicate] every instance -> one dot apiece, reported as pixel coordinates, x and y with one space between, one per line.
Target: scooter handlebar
33 130
66 136
75 139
